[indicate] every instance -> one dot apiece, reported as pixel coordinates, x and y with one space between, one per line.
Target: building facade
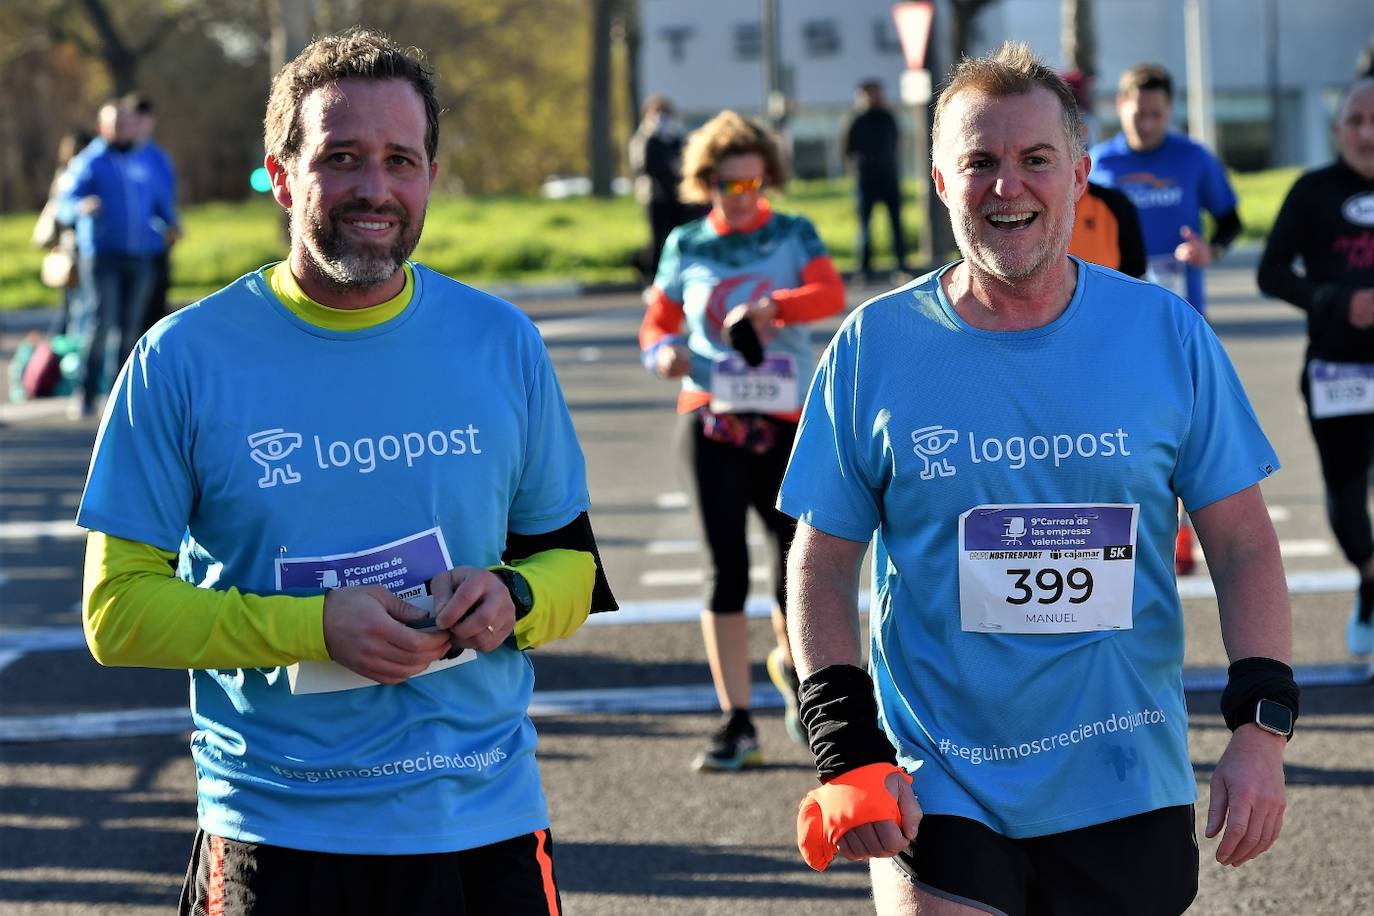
1278 67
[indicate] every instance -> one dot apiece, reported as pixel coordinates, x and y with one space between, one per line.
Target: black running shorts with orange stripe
1144 865
514 877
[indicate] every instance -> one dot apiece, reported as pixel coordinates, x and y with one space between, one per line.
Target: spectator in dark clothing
870 143
161 235
656 161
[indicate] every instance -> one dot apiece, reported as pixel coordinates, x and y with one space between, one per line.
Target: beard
979 244
353 263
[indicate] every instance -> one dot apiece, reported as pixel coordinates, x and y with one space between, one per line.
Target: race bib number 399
1066 568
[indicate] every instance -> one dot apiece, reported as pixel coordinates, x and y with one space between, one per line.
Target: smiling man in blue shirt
1019 743
346 493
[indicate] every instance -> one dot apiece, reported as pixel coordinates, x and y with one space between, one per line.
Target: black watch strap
519 587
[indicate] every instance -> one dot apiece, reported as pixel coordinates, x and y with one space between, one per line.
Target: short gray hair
1011 69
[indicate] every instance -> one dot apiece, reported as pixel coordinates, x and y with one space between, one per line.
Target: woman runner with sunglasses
727 315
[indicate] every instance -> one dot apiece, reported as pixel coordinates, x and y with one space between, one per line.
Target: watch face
520 593
1274 717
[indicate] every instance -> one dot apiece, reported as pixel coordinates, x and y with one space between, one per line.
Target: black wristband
837 708
1250 680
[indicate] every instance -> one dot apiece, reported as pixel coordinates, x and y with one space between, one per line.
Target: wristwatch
1274 717
519 587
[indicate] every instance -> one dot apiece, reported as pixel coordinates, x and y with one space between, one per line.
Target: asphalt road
97 789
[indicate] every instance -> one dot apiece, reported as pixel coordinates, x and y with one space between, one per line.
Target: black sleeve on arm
1325 302
1130 241
1227 229
576 535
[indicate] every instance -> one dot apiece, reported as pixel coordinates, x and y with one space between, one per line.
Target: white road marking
688 546
43 639
1312 547
683 610
8 657
558 328
687 610
1316 582
1278 513
62 528
671 500
669 578
589 354
664 699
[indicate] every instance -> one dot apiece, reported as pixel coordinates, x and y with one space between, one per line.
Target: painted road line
43 639
1278 513
671 500
669 578
63 528
1344 674
676 698
1317 582
671 547
686 610
1312 547
123 723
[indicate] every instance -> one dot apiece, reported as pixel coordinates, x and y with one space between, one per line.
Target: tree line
515 82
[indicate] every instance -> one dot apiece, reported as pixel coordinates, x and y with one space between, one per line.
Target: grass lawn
489 239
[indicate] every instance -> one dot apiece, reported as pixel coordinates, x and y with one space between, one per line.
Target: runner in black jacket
1327 221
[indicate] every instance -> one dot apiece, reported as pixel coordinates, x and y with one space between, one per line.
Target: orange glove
847 801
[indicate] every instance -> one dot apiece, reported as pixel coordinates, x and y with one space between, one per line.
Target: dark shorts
1146 865
511 878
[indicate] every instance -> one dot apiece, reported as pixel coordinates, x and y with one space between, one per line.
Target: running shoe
1184 562
784 677
1359 634
734 746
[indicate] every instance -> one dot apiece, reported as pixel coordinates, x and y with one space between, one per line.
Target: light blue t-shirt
1170 186
241 435
914 419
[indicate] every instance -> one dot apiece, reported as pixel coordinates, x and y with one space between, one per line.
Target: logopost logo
363 454
931 442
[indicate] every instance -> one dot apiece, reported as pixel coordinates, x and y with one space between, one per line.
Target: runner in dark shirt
1327 221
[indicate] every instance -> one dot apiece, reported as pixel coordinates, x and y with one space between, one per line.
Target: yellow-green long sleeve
561 582
137 613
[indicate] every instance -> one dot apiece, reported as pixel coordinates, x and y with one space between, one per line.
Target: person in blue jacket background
112 198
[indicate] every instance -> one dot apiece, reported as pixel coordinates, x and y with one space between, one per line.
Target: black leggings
1346 448
726 480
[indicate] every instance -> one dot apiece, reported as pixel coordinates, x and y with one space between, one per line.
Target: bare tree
291 22
599 155
1078 36
961 35
115 41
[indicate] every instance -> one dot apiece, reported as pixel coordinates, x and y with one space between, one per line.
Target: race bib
1340 389
1170 273
770 387
1047 568
402 567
